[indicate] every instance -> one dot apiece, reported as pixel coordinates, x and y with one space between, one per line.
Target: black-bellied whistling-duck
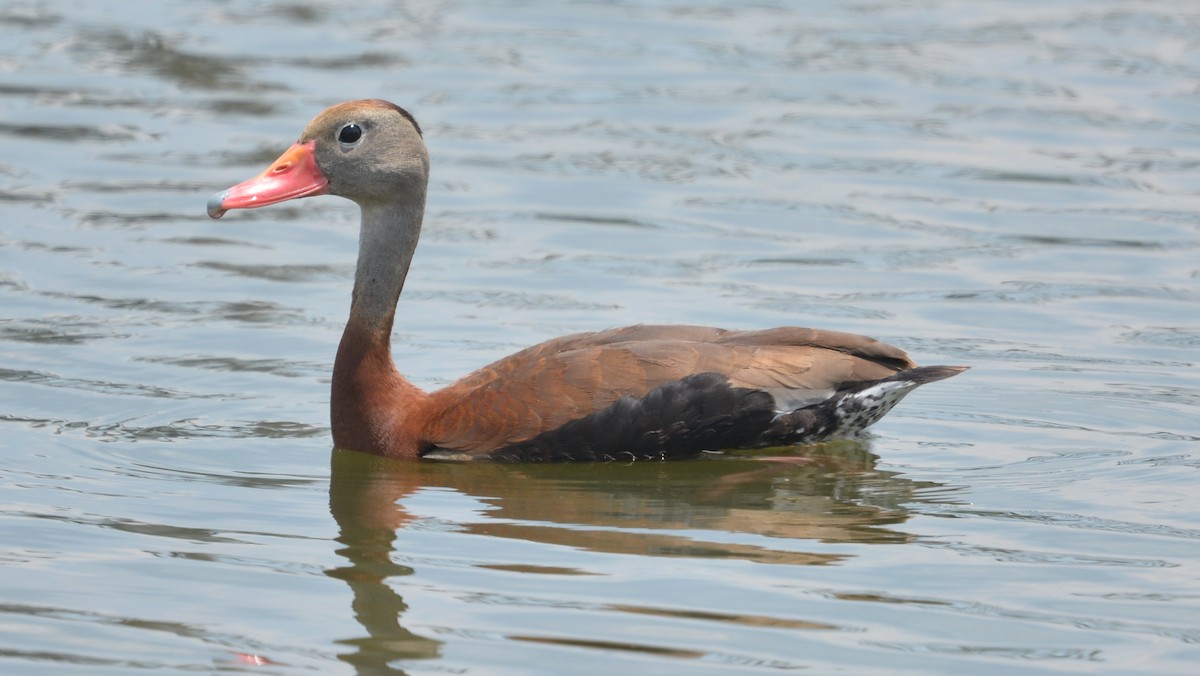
628 393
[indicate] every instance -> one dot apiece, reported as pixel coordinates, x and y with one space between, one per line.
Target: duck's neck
370 401
386 242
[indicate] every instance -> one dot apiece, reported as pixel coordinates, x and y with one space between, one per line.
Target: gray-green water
1011 185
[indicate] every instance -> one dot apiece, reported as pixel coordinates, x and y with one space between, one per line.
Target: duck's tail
851 410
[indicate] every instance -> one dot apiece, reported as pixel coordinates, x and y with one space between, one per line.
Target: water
1010 185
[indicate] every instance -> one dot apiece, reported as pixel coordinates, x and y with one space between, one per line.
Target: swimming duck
639 392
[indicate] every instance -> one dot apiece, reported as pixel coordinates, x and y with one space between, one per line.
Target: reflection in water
363 500
757 506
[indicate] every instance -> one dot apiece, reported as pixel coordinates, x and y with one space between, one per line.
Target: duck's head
368 151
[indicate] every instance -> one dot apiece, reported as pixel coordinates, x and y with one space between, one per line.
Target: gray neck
385 248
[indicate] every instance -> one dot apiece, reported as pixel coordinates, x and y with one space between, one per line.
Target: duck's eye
349 134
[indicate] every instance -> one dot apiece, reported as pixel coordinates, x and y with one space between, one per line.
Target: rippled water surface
1010 185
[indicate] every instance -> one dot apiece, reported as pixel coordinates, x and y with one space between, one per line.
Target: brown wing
545 386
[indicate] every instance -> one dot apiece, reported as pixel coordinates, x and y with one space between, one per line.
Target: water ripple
1080 521
276 367
163 56
280 273
104 387
972 608
187 429
57 330
1051 558
1017 653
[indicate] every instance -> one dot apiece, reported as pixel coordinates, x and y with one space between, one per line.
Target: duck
643 392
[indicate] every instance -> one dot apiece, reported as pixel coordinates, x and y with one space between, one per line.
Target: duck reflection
829 493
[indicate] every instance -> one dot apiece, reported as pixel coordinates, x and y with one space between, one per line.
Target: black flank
674 420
